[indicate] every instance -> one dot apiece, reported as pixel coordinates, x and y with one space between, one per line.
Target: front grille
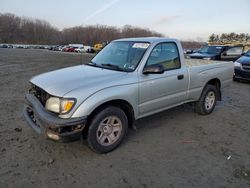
246 67
242 73
40 94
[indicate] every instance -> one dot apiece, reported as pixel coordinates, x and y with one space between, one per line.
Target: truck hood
202 55
63 81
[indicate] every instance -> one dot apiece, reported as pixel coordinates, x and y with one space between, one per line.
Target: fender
127 93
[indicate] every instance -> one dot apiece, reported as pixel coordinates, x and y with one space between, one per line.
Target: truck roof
148 39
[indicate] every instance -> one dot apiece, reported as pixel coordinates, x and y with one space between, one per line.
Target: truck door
159 91
232 54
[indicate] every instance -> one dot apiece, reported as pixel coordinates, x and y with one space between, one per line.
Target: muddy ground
175 148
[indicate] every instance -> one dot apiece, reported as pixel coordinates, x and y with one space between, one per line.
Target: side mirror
224 53
154 69
243 53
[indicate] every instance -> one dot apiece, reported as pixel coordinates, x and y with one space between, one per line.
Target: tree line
229 37
102 33
21 30
14 29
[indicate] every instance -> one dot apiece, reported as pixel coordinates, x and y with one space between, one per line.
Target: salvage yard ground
175 148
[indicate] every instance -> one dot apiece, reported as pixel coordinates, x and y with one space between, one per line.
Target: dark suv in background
219 52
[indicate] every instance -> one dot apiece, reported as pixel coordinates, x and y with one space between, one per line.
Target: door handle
180 77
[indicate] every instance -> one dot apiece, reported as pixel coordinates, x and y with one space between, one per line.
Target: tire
205 105
107 129
235 79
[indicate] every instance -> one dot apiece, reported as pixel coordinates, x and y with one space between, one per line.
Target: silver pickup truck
127 80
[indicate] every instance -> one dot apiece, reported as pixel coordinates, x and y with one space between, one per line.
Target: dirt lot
176 148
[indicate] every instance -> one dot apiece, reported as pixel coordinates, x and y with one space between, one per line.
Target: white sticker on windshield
140 45
218 47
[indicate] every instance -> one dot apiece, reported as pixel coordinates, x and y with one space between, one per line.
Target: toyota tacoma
127 80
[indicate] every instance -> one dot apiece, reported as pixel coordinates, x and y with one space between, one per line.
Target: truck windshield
211 49
120 55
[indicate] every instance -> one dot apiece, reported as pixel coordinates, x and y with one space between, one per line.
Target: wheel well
216 82
124 105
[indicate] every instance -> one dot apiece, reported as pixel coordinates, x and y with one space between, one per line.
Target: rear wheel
207 100
107 129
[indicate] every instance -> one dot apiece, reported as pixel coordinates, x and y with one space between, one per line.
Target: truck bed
196 62
201 71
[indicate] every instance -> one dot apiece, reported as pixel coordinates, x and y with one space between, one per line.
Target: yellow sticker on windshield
140 45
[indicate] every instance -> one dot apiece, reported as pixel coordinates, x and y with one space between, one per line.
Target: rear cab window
237 50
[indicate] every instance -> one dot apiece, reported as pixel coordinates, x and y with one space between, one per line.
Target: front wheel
107 129
207 100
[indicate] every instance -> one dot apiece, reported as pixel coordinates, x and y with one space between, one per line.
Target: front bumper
241 74
49 124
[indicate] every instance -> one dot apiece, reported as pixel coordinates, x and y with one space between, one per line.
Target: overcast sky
182 19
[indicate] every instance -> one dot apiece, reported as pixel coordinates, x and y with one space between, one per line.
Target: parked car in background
59 48
52 48
85 49
20 46
65 48
99 46
218 52
242 67
91 50
3 46
56 48
80 50
76 45
42 47
71 49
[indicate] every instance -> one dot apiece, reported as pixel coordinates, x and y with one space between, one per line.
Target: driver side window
165 54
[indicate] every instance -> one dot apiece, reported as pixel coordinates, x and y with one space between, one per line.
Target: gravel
175 148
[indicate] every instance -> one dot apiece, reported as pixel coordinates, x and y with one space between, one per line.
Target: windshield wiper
91 63
106 65
112 66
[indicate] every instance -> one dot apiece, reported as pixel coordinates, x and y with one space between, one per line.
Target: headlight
237 64
53 104
207 58
62 106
